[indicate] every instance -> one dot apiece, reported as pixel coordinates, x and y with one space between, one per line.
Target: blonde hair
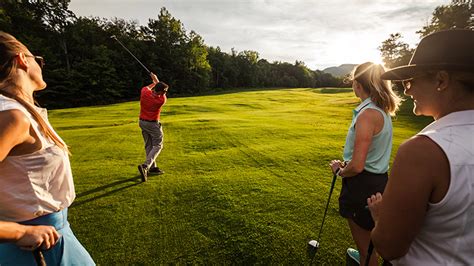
10 47
380 91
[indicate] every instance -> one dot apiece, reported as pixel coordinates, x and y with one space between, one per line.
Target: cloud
320 33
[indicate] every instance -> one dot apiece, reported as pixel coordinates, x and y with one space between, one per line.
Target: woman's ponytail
380 91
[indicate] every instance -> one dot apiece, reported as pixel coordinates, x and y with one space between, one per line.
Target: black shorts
354 193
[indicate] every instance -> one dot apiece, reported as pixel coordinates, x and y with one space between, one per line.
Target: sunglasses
38 59
408 83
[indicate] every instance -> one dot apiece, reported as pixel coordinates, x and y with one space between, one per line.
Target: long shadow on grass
75 127
100 190
332 90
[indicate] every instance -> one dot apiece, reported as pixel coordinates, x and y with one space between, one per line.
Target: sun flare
378 60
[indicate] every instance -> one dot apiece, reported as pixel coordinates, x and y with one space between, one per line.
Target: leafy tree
182 57
86 67
457 15
216 60
198 68
56 17
395 52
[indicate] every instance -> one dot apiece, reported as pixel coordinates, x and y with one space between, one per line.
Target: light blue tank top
378 156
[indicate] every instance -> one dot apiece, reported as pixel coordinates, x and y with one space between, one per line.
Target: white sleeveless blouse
447 234
38 183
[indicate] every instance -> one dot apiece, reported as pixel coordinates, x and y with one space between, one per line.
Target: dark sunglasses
38 59
408 83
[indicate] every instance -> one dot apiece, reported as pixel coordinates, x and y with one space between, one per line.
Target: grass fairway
246 182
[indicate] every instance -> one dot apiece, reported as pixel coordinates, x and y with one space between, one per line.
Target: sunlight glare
378 60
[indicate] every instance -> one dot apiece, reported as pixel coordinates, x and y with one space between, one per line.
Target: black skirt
354 193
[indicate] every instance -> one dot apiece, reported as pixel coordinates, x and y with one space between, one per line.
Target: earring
438 89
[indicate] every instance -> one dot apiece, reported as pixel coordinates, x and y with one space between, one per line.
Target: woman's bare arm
368 124
420 170
28 237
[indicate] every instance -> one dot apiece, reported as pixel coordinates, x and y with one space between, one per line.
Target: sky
319 33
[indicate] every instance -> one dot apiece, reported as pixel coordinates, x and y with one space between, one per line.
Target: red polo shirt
150 104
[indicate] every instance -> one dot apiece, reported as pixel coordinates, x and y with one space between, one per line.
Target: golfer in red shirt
152 98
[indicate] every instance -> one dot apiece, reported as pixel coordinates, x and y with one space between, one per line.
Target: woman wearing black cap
426 216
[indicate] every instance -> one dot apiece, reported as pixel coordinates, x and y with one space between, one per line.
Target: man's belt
148 120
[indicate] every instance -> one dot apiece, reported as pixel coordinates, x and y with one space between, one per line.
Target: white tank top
447 233
34 184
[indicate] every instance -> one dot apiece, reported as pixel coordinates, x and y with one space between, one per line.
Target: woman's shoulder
14 118
421 148
370 114
7 103
373 106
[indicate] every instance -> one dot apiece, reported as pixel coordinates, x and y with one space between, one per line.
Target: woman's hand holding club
37 236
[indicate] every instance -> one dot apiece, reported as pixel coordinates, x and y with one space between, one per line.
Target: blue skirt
67 251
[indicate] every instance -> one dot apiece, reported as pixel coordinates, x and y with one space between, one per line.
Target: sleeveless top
378 155
34 184
447 234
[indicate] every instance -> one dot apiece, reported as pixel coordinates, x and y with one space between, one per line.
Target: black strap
370 250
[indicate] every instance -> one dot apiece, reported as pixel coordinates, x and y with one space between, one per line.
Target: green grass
246 180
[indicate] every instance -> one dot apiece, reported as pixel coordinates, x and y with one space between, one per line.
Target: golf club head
313 247
113 37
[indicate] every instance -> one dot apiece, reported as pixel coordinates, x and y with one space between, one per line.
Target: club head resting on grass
312 248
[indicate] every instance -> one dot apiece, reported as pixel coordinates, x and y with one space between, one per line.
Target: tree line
84 66
459 14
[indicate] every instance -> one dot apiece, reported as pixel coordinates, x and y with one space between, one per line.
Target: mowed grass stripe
246 180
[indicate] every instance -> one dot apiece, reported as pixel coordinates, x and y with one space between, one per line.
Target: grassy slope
246 180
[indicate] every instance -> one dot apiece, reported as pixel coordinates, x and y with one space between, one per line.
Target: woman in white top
426 214
36 185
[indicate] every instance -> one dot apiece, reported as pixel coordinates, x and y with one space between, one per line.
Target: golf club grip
39 258
327 205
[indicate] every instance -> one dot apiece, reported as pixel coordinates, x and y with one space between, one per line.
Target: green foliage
246 178
245 69
181 56
395 52
84 66
459 14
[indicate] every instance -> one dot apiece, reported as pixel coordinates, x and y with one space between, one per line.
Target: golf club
115 38
39 258
313 245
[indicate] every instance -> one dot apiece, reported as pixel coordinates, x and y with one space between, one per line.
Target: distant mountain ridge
340 71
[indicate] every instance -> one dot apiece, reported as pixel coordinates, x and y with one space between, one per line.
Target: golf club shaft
39 258
327 205
369 253
132 54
